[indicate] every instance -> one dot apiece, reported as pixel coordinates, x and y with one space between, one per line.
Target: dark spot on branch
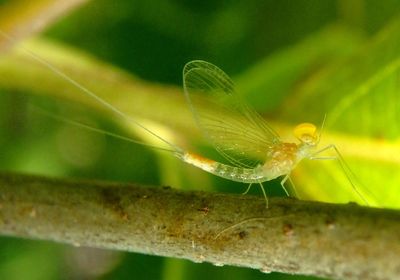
242 234
330 223
204 209
288 229
112 201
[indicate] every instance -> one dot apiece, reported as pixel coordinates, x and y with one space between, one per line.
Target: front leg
344 166
283 181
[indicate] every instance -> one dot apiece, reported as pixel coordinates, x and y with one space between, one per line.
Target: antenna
88 92
322 128
96 130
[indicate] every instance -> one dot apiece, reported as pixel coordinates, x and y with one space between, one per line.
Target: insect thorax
281 160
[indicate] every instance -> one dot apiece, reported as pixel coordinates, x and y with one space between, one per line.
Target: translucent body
283 159
253 148
238 133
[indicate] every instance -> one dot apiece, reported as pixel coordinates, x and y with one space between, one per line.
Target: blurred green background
294 61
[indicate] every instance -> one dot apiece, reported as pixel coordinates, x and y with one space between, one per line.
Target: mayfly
254 150
242 136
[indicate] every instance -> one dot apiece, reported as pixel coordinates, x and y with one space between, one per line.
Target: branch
292 236
23 18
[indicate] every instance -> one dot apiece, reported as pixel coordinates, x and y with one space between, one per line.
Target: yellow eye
306 132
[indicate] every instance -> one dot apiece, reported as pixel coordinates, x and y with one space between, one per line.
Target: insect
242 136
255 152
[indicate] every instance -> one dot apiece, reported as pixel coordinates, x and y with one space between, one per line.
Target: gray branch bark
292 236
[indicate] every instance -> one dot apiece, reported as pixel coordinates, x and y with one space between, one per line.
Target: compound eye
306 132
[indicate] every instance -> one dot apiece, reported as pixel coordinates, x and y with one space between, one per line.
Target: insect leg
287 177
346 169
264 194
248 189
293 187
283 184
262 189
323 158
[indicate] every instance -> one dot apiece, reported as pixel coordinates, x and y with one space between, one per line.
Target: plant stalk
341 241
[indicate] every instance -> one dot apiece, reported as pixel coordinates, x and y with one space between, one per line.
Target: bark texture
291 236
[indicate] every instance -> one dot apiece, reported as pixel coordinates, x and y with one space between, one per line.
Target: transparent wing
237 132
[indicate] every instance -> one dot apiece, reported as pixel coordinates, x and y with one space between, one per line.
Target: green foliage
360 95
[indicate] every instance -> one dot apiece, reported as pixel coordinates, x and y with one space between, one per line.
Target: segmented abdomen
238 174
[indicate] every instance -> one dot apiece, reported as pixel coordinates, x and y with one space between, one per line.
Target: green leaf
267 83
361 96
